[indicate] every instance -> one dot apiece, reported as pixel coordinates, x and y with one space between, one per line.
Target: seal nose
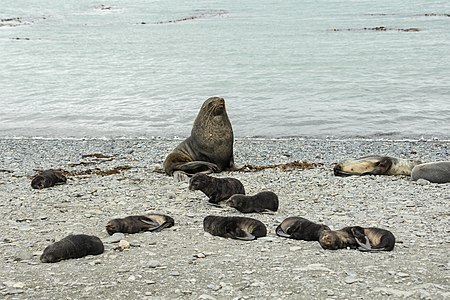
337 169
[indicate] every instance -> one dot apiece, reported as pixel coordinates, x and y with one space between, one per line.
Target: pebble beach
114 178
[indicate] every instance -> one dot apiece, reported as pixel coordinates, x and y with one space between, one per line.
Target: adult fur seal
436 172
375 165
258 203
299 228
135 224
47 178
72 246
210 146
240 228
373 239
217 189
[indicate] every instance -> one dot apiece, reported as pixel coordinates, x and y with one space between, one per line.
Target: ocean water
140 68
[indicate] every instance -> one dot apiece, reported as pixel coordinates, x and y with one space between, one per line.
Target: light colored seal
210 146
239 228
436 172
375 165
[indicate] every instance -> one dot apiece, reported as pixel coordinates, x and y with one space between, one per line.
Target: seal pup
239 228
299 228
135 224
337 239
260 202
47 178
375 165
209 148
373 239
217 189
72 246
436 172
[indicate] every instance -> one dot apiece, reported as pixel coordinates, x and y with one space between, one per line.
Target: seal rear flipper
280 232
160 227
364 247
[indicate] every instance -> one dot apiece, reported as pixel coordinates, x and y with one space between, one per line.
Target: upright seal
209 148
375 165
217 189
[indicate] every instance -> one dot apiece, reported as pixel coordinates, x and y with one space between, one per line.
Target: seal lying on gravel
337 239
436 172
239 228
135 224
356 237
373 239
258 203
47 178
72 246
217 189
375 165
299 228
210 146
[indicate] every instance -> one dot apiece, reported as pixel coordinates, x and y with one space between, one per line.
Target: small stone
175 273
422 181
351 279
123 244
200 255
132 278
153 264
295 248
206 297
214 287
116 237
401 274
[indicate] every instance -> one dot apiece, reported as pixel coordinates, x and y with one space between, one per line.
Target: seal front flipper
280 232
199 166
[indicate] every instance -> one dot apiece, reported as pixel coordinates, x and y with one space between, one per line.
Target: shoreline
183 262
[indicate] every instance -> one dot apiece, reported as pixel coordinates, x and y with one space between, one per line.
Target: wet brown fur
375 165
337 239
47 178
210 146
260 202
299 228
135 224
72 246
240 228
217 189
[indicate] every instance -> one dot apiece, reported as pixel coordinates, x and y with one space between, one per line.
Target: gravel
185 262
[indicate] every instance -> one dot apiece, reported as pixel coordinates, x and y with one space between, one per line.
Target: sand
184 262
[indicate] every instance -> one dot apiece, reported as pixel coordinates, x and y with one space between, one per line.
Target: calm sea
141 68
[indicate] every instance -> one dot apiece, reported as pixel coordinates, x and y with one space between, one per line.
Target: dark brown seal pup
373 239
217 189
258 203
135 224
47 178
299 228
72 246
240 228
375 165
210 146
436 172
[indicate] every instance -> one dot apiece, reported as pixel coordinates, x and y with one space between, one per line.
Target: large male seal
210 146
260 202
72 246
135 224
436 172
217 189
375 165
239 228
299 228
47 178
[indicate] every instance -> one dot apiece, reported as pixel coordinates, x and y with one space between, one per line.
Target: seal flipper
240 234
280 232
363 247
